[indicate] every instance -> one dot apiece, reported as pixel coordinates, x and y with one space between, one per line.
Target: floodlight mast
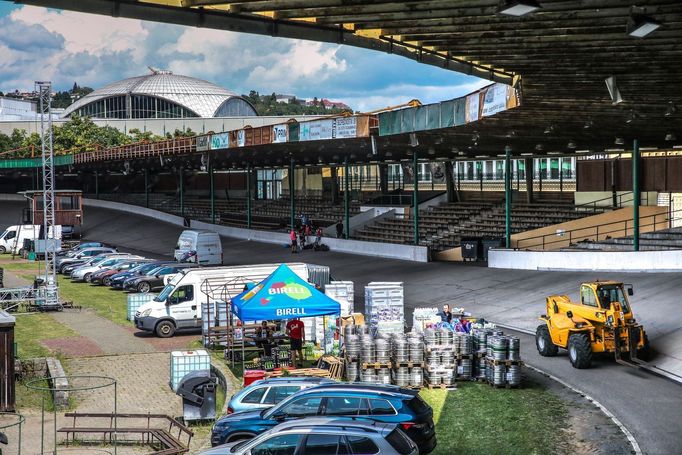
51 297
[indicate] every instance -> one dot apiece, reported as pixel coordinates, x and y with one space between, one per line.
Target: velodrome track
649 406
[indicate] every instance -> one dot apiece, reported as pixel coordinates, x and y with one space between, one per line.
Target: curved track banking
649 406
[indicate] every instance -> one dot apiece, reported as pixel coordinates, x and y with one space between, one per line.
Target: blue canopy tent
283 295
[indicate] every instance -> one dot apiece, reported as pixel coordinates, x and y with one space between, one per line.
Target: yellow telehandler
601 322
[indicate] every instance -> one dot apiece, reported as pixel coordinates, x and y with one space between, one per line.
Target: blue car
380 403
269 392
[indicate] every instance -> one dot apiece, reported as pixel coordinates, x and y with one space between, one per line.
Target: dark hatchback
380 403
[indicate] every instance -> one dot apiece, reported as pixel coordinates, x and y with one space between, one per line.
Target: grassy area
478 419
31 329
105 301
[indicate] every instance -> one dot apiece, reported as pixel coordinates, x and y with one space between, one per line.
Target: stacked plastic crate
385 307
342 292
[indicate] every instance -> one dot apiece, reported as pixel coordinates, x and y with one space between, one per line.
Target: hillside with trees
268 105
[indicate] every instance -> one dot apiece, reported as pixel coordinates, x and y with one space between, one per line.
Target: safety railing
175 146
604 231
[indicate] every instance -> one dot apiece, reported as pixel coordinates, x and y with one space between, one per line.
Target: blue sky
67 47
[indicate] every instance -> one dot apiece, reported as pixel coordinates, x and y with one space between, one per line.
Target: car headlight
146 313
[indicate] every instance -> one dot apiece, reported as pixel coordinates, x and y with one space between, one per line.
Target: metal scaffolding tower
44 89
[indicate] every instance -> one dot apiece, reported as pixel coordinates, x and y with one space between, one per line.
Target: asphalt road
648 405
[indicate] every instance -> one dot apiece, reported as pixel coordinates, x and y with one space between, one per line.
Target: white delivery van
178 305
12 239
199 246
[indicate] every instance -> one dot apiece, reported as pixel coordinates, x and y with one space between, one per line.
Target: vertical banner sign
473 102
437 172
279 133
408 173
241 138
346 127
220 141
203 143
495 100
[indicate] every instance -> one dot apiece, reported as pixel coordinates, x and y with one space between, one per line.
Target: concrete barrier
58 382
374 249
603 261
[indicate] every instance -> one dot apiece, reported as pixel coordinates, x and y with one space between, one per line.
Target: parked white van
199 246
178 305
12 239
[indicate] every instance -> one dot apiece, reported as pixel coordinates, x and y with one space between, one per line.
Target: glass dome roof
196 95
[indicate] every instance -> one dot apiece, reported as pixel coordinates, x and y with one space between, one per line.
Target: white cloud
87 32
95 50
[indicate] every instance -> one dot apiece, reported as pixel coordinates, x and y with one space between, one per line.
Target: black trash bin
490 243
470 248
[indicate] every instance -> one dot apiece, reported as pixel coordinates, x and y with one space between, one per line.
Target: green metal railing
622 228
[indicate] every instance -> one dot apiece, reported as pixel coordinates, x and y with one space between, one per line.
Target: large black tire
580 350
87 277
165 329
644 353
106 281
543 341
143 287
3 250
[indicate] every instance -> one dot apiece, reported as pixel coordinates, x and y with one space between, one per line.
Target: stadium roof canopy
558 55
186 97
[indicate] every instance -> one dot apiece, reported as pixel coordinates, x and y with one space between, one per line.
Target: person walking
292 237
318 237
296 332
339 230
301 238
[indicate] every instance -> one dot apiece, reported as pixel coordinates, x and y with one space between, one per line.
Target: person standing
296 332
264 338
445 314
339 230
292 237
318 237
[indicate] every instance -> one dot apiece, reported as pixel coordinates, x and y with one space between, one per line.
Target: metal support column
211 188
561 181
292 191
45 105
346 198
635 194
507 197
146 188
96 184
248 196
182 192
415 196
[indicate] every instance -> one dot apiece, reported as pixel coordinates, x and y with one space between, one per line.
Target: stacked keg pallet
448 357
408 361
366 359
498 359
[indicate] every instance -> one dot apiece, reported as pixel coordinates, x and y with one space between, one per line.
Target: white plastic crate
135 301
183 362
342 292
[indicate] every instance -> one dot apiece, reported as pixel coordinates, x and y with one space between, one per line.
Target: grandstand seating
444 226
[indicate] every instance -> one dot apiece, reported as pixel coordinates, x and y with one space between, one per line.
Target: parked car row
303 416
99 264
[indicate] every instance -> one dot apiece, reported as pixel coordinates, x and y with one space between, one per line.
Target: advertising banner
346 127
241 138
408 173
279 133
220 141
473 102
202 143
494 100
316 130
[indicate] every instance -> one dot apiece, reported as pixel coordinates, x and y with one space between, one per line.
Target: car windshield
165 293
153 271
239 445
612 293
3 235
